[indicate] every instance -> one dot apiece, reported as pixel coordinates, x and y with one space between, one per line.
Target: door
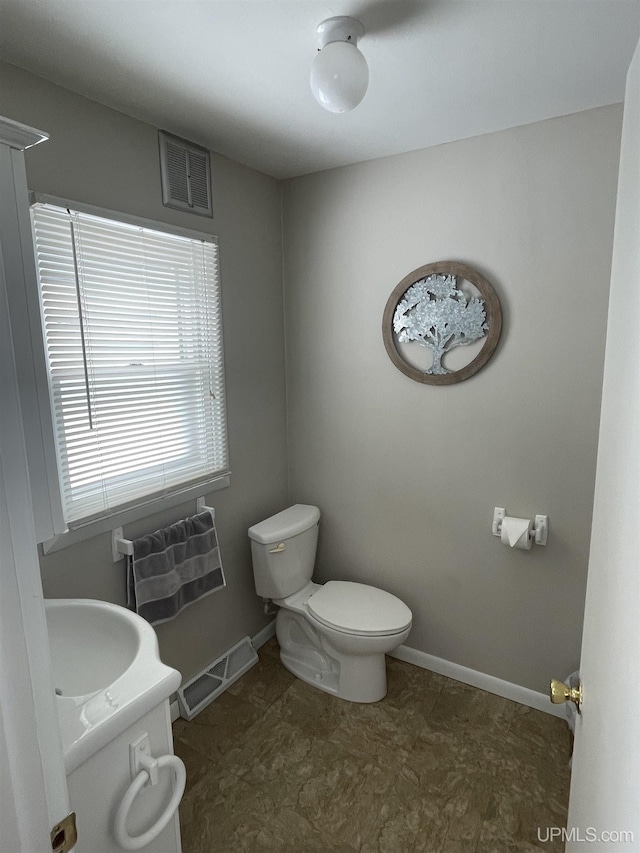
33 789
604 809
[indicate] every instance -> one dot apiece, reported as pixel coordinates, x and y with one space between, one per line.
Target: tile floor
436 767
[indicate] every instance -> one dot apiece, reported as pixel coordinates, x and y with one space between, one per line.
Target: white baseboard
479 679
265 635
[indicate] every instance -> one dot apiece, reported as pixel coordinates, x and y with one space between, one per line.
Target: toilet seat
356 608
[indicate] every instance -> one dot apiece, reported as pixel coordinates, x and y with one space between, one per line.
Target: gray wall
407 475
102 157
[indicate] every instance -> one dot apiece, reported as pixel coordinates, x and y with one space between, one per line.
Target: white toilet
333 636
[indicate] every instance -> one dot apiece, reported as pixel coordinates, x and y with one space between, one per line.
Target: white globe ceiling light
339 73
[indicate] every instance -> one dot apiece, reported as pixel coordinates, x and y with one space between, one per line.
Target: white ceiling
234 74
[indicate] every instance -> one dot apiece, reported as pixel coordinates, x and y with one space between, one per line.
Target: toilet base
360 675
326 680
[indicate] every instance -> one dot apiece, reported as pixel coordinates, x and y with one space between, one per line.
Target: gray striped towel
174 567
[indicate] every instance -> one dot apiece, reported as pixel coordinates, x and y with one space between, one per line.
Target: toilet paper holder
538 534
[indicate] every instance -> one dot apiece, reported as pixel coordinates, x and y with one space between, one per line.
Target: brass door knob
559 692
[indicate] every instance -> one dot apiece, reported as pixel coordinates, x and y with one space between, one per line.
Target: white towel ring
129 842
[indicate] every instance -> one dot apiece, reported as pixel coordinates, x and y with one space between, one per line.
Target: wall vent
203 688
185 173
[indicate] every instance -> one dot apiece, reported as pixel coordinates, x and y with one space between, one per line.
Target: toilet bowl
333 636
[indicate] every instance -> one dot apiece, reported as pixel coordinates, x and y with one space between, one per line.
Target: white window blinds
133 335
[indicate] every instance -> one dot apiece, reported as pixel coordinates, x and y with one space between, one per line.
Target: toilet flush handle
280 547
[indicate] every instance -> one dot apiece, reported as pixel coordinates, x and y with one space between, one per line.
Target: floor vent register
203 688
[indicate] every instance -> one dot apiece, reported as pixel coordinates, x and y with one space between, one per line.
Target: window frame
139 509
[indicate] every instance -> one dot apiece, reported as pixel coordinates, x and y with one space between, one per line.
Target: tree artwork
429 308
436 314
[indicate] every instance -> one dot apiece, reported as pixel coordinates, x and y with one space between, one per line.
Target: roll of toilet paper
515 532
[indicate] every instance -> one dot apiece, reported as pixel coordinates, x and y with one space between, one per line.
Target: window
133 337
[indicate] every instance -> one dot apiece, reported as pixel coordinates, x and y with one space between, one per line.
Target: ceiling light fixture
339 73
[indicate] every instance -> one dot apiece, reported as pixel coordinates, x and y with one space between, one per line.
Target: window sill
135 513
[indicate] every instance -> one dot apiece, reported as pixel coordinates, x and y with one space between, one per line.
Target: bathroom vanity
113 691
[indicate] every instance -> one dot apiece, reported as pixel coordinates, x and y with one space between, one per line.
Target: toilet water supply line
148 775
269 607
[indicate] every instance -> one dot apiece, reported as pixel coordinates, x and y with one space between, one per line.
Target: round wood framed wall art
428 307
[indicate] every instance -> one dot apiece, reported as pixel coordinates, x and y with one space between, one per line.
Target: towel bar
121 547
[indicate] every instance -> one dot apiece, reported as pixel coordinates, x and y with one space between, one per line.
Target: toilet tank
283 549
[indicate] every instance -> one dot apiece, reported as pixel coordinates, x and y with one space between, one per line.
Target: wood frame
32 772
493 312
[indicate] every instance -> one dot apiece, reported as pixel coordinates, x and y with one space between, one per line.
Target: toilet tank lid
296 519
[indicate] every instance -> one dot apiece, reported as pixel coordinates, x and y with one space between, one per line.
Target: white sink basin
91 645
107 673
